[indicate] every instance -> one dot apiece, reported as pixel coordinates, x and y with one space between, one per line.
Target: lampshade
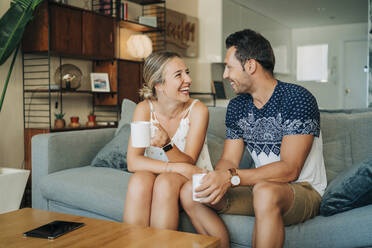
139 46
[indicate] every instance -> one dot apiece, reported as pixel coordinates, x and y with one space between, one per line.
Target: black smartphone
53 229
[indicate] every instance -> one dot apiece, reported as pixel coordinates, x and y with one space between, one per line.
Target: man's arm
215 183
293 153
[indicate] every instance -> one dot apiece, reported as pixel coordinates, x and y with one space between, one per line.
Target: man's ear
250 66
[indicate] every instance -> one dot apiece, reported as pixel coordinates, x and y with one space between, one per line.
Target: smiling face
177 80
239 79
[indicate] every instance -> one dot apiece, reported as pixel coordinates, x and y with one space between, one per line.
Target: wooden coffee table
95 233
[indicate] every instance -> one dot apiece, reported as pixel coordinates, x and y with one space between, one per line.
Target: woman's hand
159 137
185 169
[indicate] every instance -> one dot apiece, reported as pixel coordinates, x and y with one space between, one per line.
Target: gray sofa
64 181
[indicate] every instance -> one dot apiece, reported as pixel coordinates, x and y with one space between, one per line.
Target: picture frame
100 82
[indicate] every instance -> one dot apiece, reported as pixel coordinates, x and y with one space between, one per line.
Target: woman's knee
167 185
141 183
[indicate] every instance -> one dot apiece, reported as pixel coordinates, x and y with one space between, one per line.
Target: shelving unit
59 32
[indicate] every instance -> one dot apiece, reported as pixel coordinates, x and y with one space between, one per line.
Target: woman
179 126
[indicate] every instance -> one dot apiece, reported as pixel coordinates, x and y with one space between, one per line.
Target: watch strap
167 147
233 172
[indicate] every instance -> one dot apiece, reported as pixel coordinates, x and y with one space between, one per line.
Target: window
312 63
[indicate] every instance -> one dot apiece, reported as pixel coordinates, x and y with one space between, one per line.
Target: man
279 125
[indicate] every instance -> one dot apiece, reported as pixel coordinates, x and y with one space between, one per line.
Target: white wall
329 95
11 115
210 20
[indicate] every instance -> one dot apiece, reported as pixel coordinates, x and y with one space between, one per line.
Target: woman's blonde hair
153 72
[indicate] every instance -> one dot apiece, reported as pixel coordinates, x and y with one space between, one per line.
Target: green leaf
13 24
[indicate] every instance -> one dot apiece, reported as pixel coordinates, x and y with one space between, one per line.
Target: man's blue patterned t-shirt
290 110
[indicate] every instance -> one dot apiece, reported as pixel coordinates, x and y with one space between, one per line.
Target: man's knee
186 194
266 197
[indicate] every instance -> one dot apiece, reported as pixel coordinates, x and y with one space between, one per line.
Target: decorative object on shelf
100 82
12 26
91 120
106 7
74 121
68 76
148 20
182 35
59 122
139 46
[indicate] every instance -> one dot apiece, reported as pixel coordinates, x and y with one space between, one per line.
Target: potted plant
59 122
91 120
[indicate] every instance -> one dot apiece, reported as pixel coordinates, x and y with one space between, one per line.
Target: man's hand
214 186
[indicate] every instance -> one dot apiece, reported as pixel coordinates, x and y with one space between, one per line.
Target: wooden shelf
64 91
146 2
82 127
135 26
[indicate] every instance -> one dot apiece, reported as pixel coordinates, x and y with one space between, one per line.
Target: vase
59 123
91 121
74 121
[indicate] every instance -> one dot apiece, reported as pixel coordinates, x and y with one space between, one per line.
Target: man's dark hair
252 45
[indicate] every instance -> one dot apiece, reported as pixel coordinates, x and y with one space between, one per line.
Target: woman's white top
178 139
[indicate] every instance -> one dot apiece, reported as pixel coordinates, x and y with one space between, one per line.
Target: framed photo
100 82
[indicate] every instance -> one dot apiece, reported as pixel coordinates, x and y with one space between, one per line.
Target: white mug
140 133
196 178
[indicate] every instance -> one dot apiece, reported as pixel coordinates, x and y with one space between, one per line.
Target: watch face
235 180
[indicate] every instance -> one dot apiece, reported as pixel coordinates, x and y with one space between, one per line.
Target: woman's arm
199 118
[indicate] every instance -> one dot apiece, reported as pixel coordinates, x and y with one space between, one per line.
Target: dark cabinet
98 36
130 80
65 30
125 81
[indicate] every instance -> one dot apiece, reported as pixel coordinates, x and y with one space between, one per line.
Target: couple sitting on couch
277 122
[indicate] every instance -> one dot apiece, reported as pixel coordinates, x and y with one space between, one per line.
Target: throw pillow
349 190
114 153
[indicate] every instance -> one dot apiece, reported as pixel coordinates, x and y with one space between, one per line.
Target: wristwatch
235 179
167 147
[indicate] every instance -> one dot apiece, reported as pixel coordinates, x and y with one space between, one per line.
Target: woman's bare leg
204 219
137 206
165 200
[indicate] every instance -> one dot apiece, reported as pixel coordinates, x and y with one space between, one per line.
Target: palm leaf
12 26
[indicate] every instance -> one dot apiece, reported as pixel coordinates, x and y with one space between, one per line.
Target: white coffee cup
196 178
140 133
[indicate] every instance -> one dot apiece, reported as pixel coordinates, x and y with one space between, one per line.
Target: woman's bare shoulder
142 111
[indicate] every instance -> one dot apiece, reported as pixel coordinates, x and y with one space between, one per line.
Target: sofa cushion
95 189
351 189
337 155
330 232
114 153
127 110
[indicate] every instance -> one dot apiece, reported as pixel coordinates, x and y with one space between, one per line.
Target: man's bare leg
204 219
270 201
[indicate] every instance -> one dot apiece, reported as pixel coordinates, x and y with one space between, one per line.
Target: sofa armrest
58 151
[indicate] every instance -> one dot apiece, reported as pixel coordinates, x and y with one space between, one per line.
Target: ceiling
310 13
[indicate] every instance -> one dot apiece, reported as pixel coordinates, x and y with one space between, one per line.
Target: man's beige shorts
305 204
